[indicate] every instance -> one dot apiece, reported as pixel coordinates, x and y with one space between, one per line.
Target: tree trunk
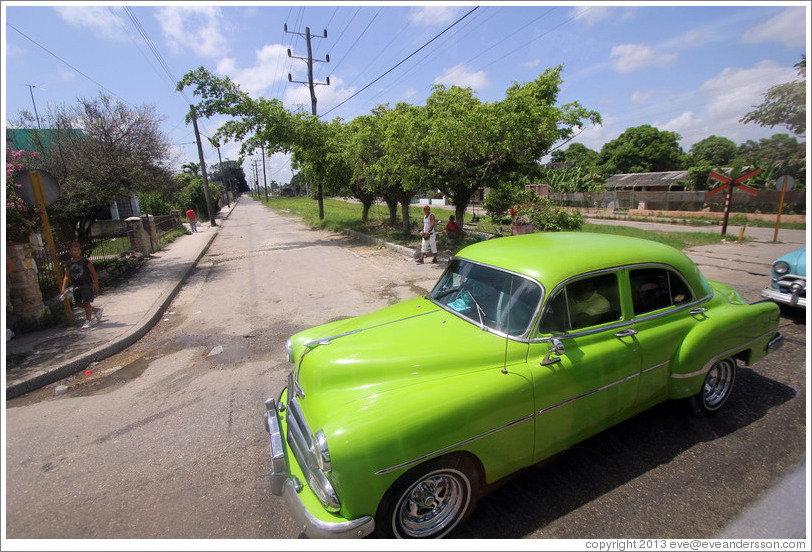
365 210
393 211
404 211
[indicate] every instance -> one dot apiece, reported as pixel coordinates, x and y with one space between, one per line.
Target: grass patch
341 215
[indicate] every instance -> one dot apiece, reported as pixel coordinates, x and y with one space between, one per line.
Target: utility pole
202 167
264 176
31 89
312 85
256 176
228 184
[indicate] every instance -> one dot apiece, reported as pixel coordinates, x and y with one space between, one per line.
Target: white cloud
634 57
686 122
594 14
531 63
734 92
263 74
640 96
434 15
66 75
326 96
101 20
788 27
197 28
462 76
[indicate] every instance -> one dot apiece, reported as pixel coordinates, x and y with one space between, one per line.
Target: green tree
714 150
642 149
101 151
471 145
578 154
231 174
784 104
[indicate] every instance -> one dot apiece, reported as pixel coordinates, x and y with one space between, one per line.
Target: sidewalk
131 309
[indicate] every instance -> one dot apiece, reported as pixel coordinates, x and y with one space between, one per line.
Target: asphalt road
166 439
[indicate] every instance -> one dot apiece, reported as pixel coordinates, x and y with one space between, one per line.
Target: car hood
399 346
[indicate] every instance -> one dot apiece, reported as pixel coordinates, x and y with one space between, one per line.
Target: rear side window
657 288
586 302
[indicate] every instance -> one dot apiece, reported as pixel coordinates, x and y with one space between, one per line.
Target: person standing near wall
428 235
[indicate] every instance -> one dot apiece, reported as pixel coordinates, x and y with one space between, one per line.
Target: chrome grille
301 443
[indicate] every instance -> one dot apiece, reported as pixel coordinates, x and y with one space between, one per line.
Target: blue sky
691 68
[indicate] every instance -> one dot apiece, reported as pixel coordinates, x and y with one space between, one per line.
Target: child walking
85 281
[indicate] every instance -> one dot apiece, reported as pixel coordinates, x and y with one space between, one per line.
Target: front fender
375 440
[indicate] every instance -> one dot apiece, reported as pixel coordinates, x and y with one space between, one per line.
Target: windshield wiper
446 292
480 311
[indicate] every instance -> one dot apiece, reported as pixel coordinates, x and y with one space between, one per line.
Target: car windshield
488 297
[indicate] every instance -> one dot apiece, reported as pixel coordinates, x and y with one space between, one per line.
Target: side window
586 302
657 288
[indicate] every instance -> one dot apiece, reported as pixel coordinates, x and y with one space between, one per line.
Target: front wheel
717 386
429 500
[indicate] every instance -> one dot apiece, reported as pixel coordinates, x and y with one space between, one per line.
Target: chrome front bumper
784 298
288 487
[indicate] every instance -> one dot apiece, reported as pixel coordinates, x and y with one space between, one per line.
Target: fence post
141 240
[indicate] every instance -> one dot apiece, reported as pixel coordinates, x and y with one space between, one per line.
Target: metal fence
102 250
166 223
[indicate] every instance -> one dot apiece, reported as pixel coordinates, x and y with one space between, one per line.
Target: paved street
165 439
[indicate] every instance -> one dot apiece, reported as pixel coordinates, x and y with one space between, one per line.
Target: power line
68 64
403 60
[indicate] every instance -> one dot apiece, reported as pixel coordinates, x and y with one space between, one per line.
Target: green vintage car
398 421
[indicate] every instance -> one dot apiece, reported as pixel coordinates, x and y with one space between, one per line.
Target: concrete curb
409 252
105 351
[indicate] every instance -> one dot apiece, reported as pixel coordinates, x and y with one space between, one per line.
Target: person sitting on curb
428 235
453 231
86 282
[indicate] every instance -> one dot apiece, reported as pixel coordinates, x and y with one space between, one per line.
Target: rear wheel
429 500
717 386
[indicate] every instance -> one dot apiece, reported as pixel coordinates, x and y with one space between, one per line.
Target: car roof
551 257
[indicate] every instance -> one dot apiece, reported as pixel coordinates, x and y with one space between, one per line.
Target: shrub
544 215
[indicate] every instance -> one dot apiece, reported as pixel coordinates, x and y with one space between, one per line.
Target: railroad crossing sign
728 184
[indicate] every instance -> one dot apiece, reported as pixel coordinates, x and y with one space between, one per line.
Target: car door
664 311
585 366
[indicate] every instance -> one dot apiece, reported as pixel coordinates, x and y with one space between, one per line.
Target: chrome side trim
660 365
729 352
449 448
588 393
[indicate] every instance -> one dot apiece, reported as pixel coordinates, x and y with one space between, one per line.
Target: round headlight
322 453
781 267
289 350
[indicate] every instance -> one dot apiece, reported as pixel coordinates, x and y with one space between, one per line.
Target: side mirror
556 349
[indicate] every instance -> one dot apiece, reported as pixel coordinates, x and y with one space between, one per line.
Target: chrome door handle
698 310
628 332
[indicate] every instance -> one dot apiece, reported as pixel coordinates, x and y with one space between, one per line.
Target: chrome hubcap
432 506
718 383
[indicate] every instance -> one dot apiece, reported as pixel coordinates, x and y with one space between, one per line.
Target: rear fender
739 331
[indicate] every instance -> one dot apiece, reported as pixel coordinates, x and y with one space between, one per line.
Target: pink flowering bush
21 218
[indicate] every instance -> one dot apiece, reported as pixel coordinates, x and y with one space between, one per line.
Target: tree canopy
455 143
784 104
100 151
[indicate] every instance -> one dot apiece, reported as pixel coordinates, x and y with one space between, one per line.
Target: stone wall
23 293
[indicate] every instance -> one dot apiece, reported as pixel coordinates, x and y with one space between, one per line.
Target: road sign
728 184
50 187
785 184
